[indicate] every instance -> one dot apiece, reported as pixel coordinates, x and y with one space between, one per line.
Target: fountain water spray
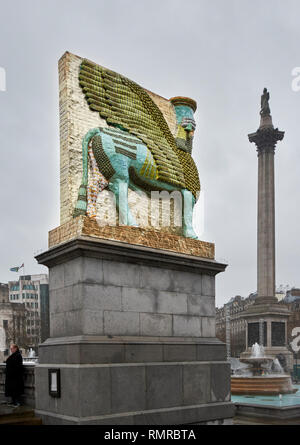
262 380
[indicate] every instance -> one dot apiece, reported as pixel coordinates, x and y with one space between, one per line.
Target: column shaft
266 225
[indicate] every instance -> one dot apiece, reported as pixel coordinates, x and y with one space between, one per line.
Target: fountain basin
267 385
256 363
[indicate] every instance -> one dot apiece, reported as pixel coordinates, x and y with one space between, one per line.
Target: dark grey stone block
196 384
187 282
171 302
186 326
121 323
95 391
143 353
156 324
155 278
164 386
73 271
72 322
139 300
211 353
70 401
128 388
121 274
220 382
208 285
69 354
92 270
208 326
201 305
57 324
56 277
92 322
101 298
102 353
178 353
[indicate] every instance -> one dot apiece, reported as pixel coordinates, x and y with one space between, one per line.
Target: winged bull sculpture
137 149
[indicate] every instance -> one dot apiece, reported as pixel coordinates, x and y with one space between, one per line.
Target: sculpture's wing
123 102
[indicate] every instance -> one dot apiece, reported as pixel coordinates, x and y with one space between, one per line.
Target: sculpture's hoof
190 234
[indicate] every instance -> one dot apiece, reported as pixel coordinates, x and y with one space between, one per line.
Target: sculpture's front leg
187 214
120 189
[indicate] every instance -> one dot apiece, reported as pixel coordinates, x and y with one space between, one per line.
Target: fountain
31 358
263 375
257 360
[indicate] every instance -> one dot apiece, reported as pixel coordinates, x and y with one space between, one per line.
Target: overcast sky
222 53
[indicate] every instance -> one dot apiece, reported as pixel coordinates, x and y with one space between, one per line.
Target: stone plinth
85 226
133 334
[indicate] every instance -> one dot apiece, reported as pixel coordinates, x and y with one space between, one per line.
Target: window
278 333
5 324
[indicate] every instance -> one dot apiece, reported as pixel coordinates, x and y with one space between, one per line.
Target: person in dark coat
14 384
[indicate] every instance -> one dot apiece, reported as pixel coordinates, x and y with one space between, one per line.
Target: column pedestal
275 342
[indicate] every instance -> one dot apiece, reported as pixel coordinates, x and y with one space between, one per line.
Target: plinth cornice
120 251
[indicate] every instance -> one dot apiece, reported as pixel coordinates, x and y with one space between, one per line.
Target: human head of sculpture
186 125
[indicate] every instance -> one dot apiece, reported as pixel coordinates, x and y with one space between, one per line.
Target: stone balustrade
29 384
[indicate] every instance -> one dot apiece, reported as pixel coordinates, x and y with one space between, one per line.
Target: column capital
266 139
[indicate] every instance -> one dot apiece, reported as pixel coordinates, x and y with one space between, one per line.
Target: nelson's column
266 319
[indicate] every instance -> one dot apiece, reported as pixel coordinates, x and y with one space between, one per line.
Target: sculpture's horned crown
186 101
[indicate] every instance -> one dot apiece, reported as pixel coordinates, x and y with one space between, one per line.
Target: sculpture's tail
81 203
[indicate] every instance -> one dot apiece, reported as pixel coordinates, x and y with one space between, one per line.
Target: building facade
231 313
33 292
12 323
4 293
